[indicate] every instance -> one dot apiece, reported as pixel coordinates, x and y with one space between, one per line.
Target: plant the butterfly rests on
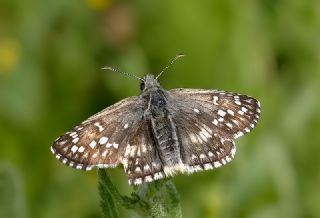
161 133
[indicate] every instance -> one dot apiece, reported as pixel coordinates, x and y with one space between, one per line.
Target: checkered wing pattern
208 121
100 140
141 160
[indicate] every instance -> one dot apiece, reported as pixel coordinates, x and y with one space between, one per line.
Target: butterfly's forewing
100 140
231 113
208 121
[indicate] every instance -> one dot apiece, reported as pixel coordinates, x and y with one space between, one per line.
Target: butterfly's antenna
124 73
180 55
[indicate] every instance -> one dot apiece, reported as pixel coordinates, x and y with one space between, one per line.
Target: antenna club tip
180 55
106 68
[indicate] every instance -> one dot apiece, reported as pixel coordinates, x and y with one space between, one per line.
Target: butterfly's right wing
140 159
208 122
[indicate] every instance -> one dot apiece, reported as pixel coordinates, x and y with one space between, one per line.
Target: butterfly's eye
142 86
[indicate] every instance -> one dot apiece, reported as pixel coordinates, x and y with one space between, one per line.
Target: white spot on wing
202 156
193 138
89 168
228 159
196 110
203 137
146 167
215 100
81 149
233 151
100 128
75 140
138 152
207 166
148 179
240 112
221 113
239 134
127 151
103 140
72 134
74 149
95 155
193 157
217 164
132 150
237 102
235 121
115 145
215 122
137 181
93 144
230 112
126 126
244 109
143 148
158 175
206 133
229 125
85 155
138 170
104 154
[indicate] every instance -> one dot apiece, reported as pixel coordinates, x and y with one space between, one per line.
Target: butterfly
161 133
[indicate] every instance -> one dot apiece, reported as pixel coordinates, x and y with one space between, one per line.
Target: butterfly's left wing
208 122
100 140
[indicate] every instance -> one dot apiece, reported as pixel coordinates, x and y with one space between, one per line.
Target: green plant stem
156 199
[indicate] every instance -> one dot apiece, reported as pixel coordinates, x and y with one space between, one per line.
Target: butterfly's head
148 82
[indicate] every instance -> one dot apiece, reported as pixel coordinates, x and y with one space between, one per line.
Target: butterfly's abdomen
165 134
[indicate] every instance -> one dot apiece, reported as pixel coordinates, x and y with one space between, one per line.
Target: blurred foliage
156 199
51 53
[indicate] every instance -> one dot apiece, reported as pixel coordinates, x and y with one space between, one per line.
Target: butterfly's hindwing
140 159
100 140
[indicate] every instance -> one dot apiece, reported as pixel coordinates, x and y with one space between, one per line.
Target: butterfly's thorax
162 125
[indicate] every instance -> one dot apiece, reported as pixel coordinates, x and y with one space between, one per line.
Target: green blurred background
51 53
